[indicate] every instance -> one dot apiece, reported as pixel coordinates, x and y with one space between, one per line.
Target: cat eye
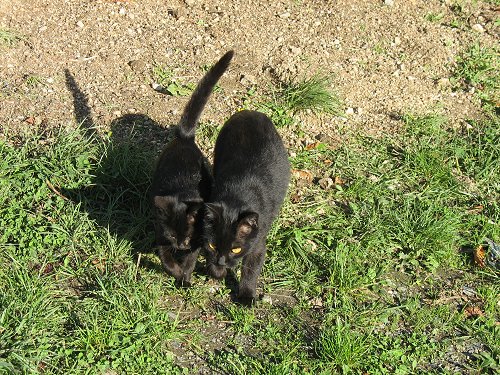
211 246
236 250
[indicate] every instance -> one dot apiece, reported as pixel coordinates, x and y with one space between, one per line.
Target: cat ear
247 223
192 210
213 210
164 202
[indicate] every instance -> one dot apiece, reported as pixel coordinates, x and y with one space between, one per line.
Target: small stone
117 113
295 50
137 65
156 86
284 15
50 80
397 41
389 2
478 27
122 12
443 82
267 299
80 24
349 111
247 79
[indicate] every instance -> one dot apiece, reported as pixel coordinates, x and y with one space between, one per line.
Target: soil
385 59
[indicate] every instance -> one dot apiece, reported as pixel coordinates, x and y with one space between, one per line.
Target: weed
477 67
171 85
10 37
312 93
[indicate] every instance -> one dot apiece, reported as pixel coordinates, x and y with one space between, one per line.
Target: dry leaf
480 256
311 146
475 210
328 162
302 175
339 181
30 120
473 312
295 198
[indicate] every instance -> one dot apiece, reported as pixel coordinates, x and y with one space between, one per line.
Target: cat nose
221 261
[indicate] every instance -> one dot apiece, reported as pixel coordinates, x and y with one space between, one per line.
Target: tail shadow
117 198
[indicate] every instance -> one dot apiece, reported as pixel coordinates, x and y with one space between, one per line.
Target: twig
137 265
51 187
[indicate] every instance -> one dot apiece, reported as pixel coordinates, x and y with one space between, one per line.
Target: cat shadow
117 197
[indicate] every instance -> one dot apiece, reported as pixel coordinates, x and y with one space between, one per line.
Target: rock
156 86
389 2
478 27
349 111
122 12
80 24
137 65
267 299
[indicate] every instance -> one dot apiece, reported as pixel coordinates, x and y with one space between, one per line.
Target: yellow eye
211 246
236 250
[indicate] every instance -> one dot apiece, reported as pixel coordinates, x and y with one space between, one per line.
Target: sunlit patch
211 246
236 250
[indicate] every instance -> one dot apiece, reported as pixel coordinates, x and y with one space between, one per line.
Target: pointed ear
213 210
247 223
164 202
192 210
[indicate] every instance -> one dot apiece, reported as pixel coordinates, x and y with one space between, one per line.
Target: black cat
181 183
251 175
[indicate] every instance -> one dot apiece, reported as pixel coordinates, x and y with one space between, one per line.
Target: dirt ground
385 57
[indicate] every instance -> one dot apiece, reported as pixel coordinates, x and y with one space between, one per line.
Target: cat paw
246 299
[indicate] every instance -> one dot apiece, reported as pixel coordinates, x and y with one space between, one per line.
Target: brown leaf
473 312
339 181
30 120
475 210
480 256
302 175
328 162
311 146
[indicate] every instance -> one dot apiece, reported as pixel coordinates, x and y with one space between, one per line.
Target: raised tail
199 98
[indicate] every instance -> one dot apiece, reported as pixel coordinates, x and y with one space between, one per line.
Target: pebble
349 111
267 299
122 12
79 24
478 27
389 2
156 86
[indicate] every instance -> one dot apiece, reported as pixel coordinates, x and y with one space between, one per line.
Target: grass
374 274
170 84
10 37
478 67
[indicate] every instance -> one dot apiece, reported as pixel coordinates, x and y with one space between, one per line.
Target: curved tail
199 98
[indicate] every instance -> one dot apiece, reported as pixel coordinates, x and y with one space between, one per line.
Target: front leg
250 271
188 264
169 263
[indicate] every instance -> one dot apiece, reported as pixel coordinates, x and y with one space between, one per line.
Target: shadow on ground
118 196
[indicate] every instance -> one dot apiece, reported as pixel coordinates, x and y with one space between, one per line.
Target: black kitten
181 183
251 175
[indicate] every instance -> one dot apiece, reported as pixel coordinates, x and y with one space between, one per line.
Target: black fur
181 183
251 176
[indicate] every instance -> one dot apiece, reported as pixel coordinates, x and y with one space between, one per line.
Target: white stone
79 24
478 27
